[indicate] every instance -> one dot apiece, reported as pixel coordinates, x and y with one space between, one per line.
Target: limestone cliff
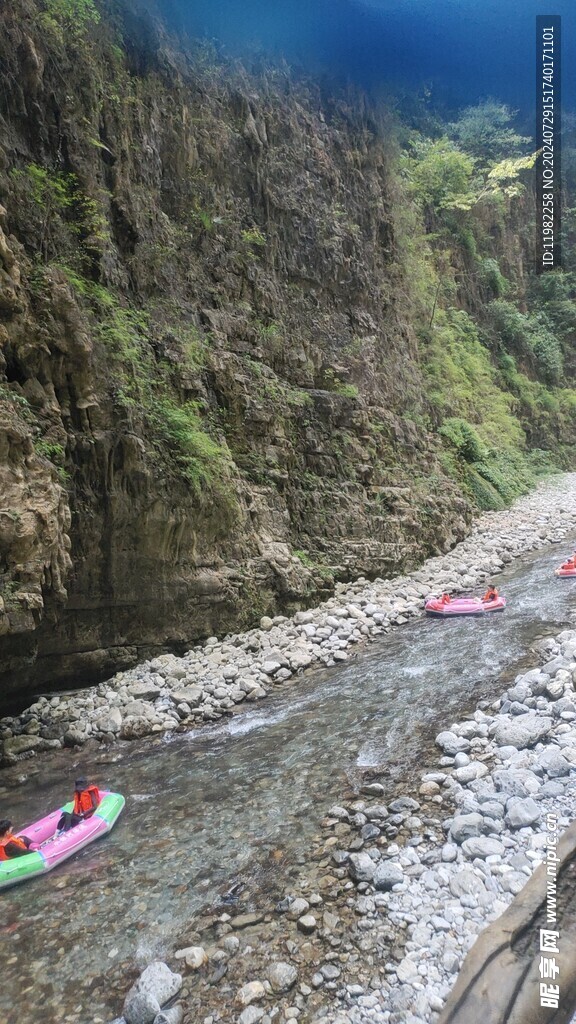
208 376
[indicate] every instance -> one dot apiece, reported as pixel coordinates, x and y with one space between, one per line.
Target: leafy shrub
484 494
440 175
56 454
529 335
75 14
463 438
202 460
50 450
541 462
499 477
462 382
547 349
253 237
491 277
486 132
467 242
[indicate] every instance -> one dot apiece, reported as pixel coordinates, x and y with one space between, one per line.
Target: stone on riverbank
156 986
282 976
193 956
451 744
526 731
361 867
250 992
175 1015
386 876
482 847
520 813
466 826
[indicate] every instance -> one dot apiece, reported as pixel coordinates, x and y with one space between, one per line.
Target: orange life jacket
84 803
10 839
490 595
445 599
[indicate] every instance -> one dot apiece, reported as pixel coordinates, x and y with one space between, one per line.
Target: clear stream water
208 806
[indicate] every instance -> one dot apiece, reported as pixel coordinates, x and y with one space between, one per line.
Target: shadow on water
208 805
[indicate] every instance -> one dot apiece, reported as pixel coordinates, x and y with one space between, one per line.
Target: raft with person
447 607
48 846
568 569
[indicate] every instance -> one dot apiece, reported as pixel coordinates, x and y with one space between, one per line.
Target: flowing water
206 807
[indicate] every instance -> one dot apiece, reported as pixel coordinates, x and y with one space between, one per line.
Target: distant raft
567 570
50 849
463 606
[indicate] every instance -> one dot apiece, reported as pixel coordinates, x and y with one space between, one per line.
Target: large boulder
519 782
482 846
191 695
466 883
21 744
554 763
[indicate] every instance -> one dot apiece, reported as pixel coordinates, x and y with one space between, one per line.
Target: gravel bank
467 844
170 693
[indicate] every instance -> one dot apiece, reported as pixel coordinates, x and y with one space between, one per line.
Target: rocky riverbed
171 693
395 893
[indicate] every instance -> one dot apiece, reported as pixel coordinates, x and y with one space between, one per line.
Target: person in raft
445 599
570 563
11 845
86 800
490 595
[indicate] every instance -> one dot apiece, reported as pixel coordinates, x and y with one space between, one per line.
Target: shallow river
206 807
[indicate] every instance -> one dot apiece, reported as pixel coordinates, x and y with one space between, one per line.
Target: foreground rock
171 693
156 986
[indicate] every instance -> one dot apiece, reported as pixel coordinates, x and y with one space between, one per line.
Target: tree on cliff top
76 14
485 132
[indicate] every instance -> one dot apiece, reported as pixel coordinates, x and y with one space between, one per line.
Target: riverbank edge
171 693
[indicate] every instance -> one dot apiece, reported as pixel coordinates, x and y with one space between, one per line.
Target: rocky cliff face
207 376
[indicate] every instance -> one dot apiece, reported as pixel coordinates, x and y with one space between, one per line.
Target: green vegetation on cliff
495 338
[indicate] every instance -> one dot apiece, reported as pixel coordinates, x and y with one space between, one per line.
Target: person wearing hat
11 845
86 800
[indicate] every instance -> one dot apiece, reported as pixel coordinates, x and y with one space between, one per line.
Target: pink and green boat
48 849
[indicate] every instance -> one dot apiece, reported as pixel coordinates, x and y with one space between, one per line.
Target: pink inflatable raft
463 606
566 571
48 850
